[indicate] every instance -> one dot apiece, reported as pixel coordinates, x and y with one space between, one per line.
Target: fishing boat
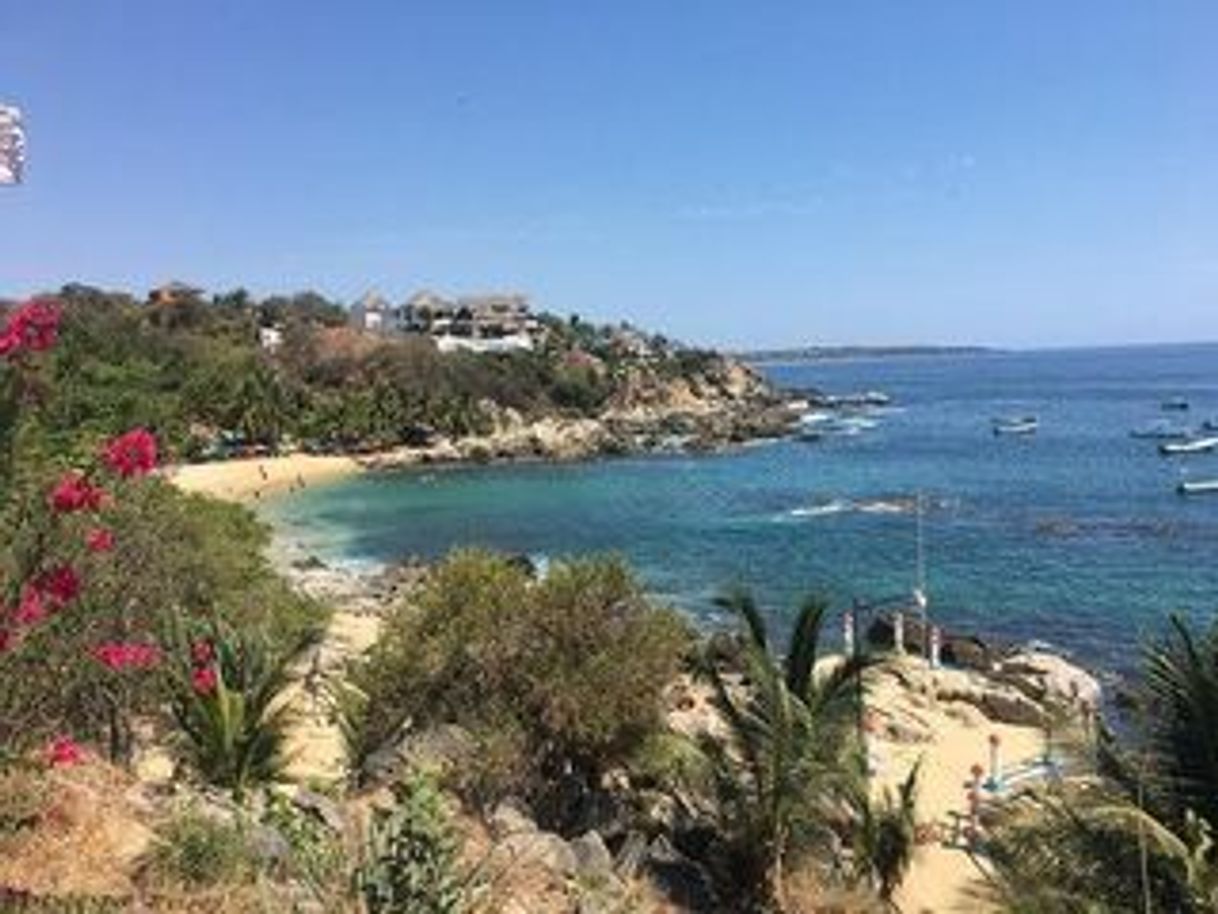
1161 430
1175 403
1191 446
1020 425
1200 487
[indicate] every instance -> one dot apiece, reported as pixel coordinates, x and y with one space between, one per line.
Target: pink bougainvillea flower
61 584
132 453
7 640
74 492
204 680
33 327
202 653
119 656
63 750
99 539
31 609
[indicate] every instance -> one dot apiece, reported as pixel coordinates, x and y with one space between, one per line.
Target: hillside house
374 314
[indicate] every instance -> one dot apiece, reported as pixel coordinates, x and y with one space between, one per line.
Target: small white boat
1200 487
1191 446
1021 425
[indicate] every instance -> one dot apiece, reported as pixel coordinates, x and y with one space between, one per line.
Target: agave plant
226 689
790 763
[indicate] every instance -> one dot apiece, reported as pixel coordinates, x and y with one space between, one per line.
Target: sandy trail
949 737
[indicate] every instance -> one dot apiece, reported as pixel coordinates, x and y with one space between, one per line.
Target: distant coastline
826 353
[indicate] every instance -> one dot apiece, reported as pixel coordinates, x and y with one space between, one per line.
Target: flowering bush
98 559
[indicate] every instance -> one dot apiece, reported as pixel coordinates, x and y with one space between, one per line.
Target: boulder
684 882
592 857
540 848
1055 678
510 817
321 807
270 847
434 749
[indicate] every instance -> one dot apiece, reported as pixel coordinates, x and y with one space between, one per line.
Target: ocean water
1075 536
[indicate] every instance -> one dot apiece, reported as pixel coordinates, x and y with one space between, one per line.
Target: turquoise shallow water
1074 536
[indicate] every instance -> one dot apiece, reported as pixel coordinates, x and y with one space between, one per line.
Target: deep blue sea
1075 536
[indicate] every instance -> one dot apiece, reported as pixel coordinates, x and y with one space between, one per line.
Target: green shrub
556 680
196 850
411 857
317 857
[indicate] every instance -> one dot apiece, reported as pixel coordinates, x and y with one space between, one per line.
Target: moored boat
1019 425
1200 487
1191 446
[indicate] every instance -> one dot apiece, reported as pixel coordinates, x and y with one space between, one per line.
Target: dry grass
86 838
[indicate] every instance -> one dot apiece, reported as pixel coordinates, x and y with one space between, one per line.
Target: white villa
477 323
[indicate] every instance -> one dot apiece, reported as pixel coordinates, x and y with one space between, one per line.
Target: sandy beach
251 479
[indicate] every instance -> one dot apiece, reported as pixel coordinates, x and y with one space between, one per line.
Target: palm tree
783 775
883 835
1138 836
1086 847
1181 673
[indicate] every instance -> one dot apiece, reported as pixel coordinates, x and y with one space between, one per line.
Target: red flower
99 539
202 653
119 656
7 640
74 492
204 680
64 750
32 609
131 454
61 584
31 328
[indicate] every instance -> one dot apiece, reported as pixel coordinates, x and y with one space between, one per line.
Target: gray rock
320 806
510 817
434 749
269 846
607 896
683 881
592 858
542 848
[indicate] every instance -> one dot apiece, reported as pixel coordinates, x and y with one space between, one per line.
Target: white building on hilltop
498 322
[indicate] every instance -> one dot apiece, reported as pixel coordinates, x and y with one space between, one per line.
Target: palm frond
804 645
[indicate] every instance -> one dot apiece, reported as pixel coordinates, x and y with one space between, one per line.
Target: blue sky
1015 173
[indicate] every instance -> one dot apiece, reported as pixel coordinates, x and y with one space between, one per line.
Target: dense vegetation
193 371
556 680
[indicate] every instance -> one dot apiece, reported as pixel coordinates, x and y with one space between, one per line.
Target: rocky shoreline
670 418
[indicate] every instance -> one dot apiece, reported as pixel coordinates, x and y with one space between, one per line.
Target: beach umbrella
12 145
